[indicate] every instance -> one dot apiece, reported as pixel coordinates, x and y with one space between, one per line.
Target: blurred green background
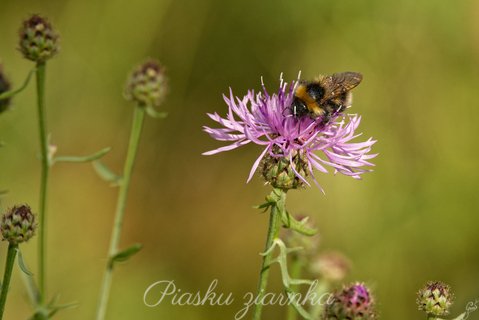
414 219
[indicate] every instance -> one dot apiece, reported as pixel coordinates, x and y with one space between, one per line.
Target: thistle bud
279 172
38 40
147 84
435 298
18 224
351 303
4 87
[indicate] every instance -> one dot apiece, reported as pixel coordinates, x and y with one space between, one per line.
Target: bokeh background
414 219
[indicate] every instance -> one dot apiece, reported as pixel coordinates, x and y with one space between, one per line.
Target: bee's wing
340 83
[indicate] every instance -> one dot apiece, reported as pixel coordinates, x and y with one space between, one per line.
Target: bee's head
298 108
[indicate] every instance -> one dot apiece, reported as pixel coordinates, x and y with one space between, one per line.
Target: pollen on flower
293 148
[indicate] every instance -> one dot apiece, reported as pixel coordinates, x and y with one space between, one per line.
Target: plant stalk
120 210
273 231
45 170
297 265
12 252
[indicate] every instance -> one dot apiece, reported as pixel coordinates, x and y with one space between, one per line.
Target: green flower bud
4 87
18 224
147 84
38 40
278 171
352 303
435 298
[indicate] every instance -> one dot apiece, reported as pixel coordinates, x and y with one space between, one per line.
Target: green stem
12 251
297 265
42 213
274 225
120 210
321 289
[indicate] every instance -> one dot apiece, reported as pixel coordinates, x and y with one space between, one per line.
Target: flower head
147 84
18 224
4 87
353 302
435 298
38 39
292 145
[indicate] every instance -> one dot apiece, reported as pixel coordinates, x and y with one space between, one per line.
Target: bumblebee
325 96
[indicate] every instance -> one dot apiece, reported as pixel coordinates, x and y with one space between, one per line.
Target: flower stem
322 288
42 124
12 251
120 210
277 208
297 265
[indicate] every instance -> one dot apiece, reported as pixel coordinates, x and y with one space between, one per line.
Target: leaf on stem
22 264
32 289
156 114
81 159
11 93
125 254
106 173
282 260
49 310
461 316
299 226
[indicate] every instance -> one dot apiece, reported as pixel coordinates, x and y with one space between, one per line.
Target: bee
325 96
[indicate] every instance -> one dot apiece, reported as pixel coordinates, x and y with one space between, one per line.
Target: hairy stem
120 211
274 225
7 275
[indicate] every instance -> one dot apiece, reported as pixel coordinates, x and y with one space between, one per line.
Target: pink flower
266 120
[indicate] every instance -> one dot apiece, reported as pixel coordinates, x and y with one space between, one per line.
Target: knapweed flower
4 87
38 39
435 298
18 224
293 146
353 302
147 84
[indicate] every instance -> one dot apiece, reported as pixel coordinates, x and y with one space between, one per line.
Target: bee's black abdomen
298 108
315 91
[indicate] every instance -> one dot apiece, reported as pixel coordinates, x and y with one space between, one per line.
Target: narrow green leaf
106 173
22 264
264 207
126 253
461 316
155 114
53 307
11 93
32 289
89 158
299 226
